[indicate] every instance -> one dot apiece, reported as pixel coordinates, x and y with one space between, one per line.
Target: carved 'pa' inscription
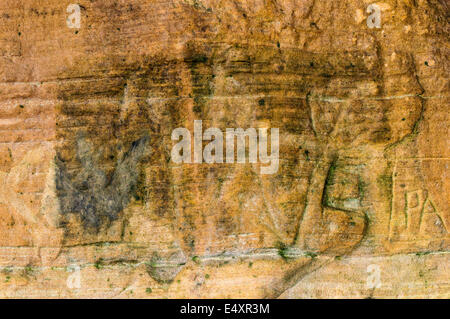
416 214
419 218
420 210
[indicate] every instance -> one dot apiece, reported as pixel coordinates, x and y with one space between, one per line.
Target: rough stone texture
86 178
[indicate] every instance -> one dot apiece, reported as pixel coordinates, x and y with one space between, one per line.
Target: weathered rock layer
88 188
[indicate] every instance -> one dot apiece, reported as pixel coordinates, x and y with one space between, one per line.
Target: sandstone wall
359 206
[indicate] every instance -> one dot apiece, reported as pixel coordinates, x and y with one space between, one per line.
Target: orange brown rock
87 182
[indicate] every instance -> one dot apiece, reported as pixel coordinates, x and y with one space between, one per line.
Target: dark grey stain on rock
96 196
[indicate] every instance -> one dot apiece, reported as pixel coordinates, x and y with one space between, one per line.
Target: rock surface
92 205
